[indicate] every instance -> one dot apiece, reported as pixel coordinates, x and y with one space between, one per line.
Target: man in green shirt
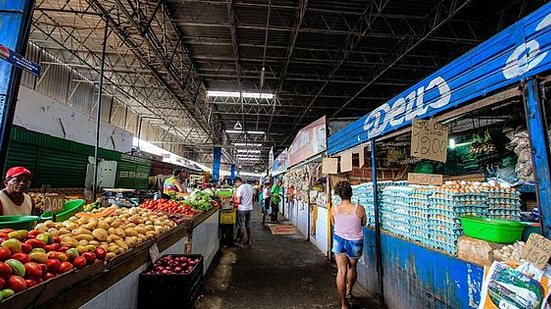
275 200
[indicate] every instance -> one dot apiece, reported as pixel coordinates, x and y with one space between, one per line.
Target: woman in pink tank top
348 221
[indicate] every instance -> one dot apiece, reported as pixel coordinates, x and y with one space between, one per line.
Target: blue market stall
500 75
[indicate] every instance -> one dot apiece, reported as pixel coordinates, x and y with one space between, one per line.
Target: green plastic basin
18 222
492 230
70 208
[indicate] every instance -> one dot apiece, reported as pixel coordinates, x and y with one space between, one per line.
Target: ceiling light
237 94
248 132
248 151
247 145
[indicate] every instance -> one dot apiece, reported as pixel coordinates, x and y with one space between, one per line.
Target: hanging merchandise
483 145
520 144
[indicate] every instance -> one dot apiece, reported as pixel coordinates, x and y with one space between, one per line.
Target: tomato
53 265
17 283
33 270
34 233
48 276
65 267
30 283
100 253
89 256
5 270
22 257
79 262
2 283
5 254
35 243
26 248
52 247
44 267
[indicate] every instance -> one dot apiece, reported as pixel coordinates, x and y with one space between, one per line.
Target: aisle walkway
277 271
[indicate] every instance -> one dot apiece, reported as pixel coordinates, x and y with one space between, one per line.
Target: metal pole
98 111
379 257
537 129
16 28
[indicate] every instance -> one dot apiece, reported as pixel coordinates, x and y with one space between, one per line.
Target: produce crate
227 216
167 291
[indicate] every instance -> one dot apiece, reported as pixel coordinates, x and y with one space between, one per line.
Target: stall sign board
425 179
429 140
361 157
330 166
346 162
53 203
19 61
537 250
154 253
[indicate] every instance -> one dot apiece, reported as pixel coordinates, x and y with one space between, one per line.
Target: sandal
348 295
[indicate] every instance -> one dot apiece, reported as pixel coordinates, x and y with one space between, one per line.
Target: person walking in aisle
348 220
266 195
275 198
244 199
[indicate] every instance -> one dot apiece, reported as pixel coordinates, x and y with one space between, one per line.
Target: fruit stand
85 258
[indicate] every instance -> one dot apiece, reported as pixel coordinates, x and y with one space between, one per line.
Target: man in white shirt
244 198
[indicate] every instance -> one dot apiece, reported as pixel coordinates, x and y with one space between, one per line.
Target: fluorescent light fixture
248 151
247 145
452 143
248 132
237 94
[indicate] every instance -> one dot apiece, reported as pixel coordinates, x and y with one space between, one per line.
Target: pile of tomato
169 206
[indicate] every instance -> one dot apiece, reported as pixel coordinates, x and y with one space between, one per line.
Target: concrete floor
277 271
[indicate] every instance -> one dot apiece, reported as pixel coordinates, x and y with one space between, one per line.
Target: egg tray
504 217
504 212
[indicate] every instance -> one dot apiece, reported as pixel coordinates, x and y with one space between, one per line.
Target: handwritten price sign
537 250
429 140
425 179
54 203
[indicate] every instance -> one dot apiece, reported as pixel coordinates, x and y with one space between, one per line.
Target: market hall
262 154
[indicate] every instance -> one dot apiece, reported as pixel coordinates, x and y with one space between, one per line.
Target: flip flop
348 295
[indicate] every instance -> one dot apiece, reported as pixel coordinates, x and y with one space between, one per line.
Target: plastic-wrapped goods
520 143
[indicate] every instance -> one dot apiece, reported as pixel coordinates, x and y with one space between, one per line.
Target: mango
38 257
17 267
19 234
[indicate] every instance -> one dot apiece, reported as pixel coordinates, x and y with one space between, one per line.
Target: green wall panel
61 169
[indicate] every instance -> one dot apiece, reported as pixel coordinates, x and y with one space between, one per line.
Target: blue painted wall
419 277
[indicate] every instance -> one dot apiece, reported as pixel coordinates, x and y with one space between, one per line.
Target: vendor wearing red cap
14 201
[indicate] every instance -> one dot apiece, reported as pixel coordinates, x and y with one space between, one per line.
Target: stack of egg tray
446 209
363 194
421 223
395 210
503 203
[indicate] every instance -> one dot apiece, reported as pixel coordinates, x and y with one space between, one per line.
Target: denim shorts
352 248
244 218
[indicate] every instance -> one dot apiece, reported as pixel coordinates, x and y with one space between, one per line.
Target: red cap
17 171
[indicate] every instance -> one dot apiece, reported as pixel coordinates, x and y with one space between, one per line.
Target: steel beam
442 13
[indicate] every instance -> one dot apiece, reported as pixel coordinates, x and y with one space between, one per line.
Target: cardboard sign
429 140
537 250
330 166
346 162
154 253
425 179
361 157
53 203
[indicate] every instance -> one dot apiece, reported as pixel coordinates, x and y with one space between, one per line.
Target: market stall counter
114 283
